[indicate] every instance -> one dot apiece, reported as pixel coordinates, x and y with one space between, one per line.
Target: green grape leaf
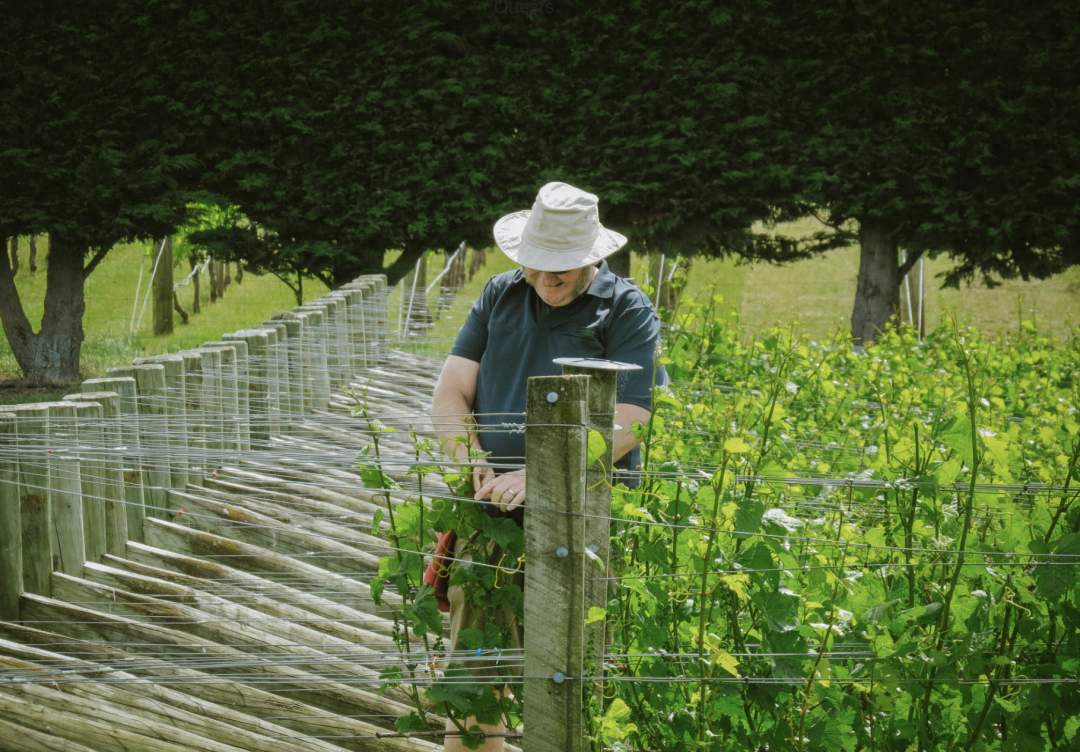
596 448
456 687
875 614
781 611
424 612
748 516
1056 576
410 722
736 445
957 437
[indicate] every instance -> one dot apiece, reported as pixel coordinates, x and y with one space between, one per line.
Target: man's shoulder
506 279
627 295
496 288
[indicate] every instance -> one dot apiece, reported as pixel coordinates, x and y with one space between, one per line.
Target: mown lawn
819 294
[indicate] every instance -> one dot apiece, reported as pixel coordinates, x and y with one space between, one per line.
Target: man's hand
505 491
481 472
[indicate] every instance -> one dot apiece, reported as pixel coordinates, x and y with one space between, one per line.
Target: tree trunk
163 289
877 298
479 259
210 269
33 255
179 308
619 263
52 355
239 272
196 307
14 255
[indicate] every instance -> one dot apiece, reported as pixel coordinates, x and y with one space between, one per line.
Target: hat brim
508 236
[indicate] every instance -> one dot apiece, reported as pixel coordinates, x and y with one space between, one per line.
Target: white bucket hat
560 233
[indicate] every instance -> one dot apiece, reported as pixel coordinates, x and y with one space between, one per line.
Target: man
563 302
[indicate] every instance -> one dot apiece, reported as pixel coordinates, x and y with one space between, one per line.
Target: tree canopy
97 146
343 129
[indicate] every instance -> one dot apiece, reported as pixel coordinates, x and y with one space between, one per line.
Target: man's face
559 288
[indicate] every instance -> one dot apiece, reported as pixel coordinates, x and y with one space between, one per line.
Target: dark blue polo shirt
514 335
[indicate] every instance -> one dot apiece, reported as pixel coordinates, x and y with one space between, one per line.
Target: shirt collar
604 284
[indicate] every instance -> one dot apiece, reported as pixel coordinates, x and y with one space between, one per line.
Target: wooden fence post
65 489
212 408
135 499
602 389
230 407
342 342
328 308
339 337
32 430
380 323
154 427
90 452
257 388
175 385
243 386
376 326
315 324
112 474
193 444
11 535
557 416
279 355
272 378
294 338
357 326
354 329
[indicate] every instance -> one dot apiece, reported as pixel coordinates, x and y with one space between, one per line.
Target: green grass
111 296
819 294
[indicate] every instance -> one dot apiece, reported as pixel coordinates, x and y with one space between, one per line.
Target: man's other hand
505 491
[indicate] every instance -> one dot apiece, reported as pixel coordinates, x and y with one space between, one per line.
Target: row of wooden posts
78 476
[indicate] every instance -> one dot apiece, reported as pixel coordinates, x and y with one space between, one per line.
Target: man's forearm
453 422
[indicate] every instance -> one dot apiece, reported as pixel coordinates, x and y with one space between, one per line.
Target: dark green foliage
99 143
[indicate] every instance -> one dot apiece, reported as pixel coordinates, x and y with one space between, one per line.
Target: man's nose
548 278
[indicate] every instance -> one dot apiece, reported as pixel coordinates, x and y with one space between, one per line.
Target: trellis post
154 422
603 386
557 417
122 383
112 475
90 418
243 385
195 416
279 366
32 429
174 408
65 489
11 551
230 407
